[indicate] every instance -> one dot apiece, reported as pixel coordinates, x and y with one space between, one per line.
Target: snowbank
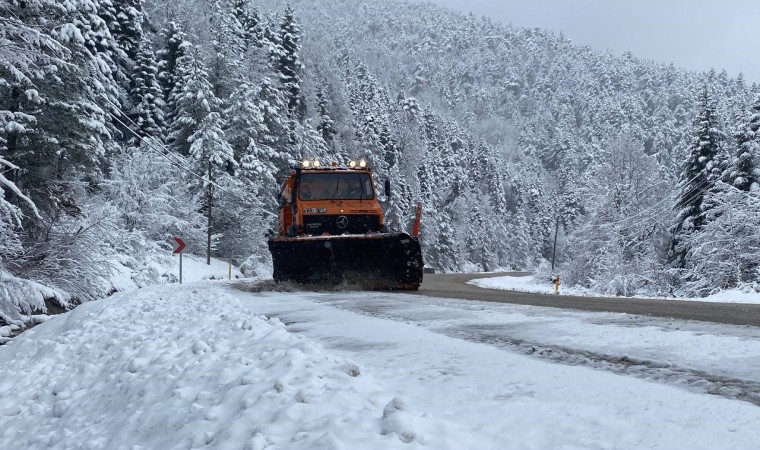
186 367
20 298
530 285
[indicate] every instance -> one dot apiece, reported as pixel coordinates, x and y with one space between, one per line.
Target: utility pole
208 225
554 250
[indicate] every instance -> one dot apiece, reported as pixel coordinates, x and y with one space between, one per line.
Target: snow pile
739 295
530 285
519 284
20 299
187 367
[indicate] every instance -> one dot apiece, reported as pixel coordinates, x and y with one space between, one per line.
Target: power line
691 194
170 156
651 208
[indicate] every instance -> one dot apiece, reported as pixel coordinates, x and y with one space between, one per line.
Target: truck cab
316 201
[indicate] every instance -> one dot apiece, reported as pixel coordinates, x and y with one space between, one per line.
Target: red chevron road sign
178 245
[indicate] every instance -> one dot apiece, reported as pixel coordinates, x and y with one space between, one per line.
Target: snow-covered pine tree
250 21
190 102
426 177
59 82
496 230
743 172
175 47
244 118
444 254
124 19
146 96
65 101
701 171
400 207
260 166
28 54
228 45
213 156
95 19
258 124
210 150
370 108
285 53
522 253
326 125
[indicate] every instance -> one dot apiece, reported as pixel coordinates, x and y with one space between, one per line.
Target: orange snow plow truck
332 232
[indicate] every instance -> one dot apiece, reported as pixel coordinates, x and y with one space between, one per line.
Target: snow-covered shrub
257 265
153 203
73 253
543 273
618 248
19 298
725 252
152 196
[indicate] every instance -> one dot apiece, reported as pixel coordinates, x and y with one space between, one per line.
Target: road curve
455 286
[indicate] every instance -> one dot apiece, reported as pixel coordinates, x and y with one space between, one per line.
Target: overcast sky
694 34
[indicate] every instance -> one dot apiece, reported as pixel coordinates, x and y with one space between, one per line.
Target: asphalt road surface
455 286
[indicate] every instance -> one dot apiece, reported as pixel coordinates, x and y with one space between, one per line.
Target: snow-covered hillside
208 365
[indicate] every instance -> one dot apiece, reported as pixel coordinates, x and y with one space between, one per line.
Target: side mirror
387 188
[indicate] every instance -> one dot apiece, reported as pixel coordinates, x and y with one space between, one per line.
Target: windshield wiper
335 193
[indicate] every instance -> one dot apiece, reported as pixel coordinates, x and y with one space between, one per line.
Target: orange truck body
332 231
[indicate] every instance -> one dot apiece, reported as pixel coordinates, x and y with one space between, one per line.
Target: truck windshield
335 186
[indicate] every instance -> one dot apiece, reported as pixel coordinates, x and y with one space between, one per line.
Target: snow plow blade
366 261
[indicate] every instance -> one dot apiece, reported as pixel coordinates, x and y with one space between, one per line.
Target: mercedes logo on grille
342 222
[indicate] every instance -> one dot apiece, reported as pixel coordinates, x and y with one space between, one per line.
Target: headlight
316 163
362 163
352 164
306 163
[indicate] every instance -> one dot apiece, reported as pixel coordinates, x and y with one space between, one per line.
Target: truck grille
348 223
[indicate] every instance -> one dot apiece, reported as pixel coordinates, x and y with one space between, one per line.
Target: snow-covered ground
194 268
529 284
208 365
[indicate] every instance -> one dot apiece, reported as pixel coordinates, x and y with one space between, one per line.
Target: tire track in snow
692 379
496 334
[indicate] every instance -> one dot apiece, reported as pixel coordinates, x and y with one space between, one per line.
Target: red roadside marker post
417 217
177 246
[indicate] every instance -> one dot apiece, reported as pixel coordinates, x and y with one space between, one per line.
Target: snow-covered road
715 358
207 364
